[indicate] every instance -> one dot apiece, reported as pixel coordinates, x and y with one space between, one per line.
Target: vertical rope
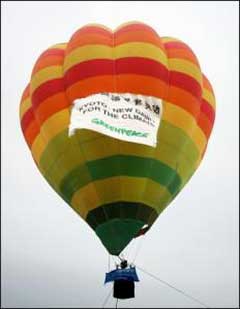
107 298
131 246
108 262
139 246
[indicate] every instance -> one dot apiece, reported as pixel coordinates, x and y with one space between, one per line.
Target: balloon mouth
116 234
117 223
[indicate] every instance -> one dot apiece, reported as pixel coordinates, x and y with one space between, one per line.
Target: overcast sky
50 256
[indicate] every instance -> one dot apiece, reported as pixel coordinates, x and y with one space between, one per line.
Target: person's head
124 264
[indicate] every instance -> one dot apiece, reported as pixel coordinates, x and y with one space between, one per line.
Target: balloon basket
123 289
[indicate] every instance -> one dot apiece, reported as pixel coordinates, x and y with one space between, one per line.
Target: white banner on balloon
129 117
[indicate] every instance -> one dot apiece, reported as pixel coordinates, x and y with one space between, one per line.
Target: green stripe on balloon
120 165
121 210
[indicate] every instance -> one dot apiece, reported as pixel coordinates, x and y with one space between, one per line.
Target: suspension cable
130 249
138 248
108 262
107 298
171 286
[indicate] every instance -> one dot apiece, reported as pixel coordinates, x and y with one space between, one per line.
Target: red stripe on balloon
207 109
27 119
46 90
133 65
88 69
185 82
142 66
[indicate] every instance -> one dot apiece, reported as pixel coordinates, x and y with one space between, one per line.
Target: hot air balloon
113 176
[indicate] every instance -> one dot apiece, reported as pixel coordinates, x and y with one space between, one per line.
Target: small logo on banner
128 117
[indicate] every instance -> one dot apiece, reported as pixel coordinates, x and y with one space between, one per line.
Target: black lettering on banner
156 109
138 102
115 98
147 106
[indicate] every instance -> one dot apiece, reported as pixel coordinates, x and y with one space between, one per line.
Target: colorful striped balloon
117 187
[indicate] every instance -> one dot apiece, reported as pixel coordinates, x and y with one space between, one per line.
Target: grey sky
50 256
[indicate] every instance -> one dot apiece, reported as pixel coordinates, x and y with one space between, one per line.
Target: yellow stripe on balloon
140 49
101 147
69 157
59 46
186 67
85 53
200 138
38 147
97 51
24 107
198 163
156 196
167 39
83 198
147 191
55 124
44 75
209 97
178 117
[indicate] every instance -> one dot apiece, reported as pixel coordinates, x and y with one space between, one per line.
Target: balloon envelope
117 186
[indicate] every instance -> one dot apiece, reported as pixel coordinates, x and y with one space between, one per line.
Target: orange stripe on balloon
26 93
47 61
145 37
140 84
88 86
207 85
51 106
51 52
135 27
181 54
89 39
185 100
137 84
178 45
120 37
205 124
90 30
31 132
